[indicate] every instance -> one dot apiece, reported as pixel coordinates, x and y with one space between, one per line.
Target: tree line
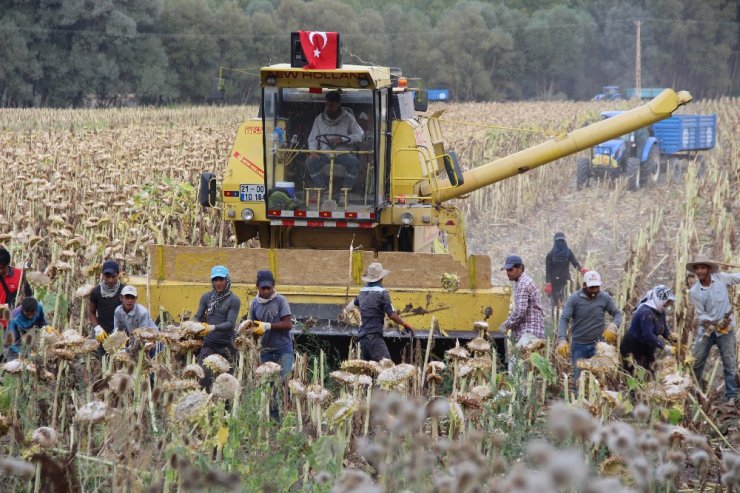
72 53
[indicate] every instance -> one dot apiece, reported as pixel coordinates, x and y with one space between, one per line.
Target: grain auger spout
661 107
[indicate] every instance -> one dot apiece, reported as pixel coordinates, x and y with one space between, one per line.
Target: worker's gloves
206 329
261 328
548 289
583 270
610 334
100 334
563 349
672 336
669 349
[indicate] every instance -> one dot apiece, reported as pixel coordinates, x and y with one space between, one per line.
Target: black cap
111 267
559 236
333 96
265 279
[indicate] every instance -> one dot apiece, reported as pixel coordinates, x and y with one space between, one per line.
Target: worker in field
103 301
31 316
130 315
526 321
374 303
218 310
335 129
714 319
557 268
642 340
270 317
11 285
585 312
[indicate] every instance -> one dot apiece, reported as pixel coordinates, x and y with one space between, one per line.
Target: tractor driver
335 129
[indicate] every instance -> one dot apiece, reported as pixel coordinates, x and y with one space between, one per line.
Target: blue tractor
611 93
650 154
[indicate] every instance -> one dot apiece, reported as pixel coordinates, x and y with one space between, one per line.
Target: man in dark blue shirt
375 303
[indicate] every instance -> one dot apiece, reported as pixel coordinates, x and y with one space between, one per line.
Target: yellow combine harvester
318 240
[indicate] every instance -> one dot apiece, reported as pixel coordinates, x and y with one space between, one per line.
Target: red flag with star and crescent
320 49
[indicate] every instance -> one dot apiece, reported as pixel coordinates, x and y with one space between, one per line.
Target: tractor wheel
652 167
633 173
583 173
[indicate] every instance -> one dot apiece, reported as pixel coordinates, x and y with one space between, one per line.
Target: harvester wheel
653 174
583 173
675 169
633 173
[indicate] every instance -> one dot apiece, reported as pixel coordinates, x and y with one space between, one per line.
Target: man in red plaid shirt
526 321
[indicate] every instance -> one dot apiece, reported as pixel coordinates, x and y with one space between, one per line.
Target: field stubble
88 185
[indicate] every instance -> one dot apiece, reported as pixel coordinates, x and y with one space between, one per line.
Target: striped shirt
527 315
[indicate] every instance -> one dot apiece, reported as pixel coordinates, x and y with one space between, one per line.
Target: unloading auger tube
659 108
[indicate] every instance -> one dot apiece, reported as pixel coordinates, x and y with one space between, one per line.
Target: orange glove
206 329
610 334
563 349
548 289
261 328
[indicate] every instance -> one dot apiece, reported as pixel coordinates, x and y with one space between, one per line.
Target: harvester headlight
247 215
364 82
271 80
231 213
407 218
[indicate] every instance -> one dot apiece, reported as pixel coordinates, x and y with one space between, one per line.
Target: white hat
363 116
375 272
129 290
592 278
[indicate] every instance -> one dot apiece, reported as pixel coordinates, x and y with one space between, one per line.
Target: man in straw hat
375 303
714 318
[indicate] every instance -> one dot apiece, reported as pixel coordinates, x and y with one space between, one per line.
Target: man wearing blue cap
104 299
526 321
218 310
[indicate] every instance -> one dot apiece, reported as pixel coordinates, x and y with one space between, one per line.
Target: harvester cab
317 207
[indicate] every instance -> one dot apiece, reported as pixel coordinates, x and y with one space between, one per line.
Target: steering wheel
324 139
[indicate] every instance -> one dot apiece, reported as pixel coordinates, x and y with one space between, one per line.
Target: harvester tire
583 173
652 168
675 169
633 172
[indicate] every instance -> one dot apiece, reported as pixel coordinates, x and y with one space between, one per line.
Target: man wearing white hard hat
374 302
585 310
130 315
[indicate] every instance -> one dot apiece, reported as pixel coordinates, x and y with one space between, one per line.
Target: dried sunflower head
92 412
225 387
268 370
192 406
187 345
217 364
193 372
392 377
435 367
191 328
317 394
482 391
87 346
170 334
370 368
146 334
120 383
70 338
296 387
180 385
479 345
115 342
351 379
62 353
45 437
341 410
457 353
38 279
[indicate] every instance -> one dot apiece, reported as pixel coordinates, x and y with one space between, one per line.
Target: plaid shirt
527 315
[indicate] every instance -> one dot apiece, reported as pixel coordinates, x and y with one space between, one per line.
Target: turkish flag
320 49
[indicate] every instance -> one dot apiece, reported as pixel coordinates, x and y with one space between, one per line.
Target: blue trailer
438 94
651 154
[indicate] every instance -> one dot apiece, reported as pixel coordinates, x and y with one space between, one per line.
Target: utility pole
638 65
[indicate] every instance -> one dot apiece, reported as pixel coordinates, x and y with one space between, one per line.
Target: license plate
251 193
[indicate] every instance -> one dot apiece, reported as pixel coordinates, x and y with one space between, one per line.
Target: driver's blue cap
511 261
